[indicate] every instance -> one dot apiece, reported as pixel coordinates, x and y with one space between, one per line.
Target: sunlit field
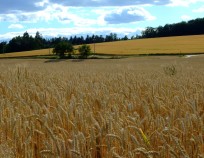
28 53
145 107
167 45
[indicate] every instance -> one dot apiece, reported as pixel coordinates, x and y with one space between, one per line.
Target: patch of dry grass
102 108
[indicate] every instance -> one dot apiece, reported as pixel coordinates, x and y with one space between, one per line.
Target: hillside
165 45
191 27
27 53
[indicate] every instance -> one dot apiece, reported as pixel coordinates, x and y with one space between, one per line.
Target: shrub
170 70
63 48
84 51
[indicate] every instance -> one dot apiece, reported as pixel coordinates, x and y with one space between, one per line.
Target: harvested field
137 107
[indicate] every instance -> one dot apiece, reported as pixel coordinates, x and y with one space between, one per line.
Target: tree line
27 42
65 50
192 27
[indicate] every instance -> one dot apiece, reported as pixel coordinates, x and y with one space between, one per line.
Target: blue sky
81 17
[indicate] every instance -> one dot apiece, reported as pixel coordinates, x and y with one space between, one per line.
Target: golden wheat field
144 107
166 45
27 53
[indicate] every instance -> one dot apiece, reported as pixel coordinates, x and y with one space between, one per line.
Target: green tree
84 51
125 37
63 48
39 41
3 47
27 42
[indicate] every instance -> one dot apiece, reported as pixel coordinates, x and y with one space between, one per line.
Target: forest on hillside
192 27
27 42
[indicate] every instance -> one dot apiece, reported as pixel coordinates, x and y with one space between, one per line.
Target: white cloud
199 10
25 17
185 3
8 6
127 15
16 26
9 18
55 32
83 31
63 15
45 10
83 16
9 35
41 3
99 3
52 12
185 17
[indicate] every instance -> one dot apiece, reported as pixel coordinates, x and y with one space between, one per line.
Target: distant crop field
27 53
167 45
144 107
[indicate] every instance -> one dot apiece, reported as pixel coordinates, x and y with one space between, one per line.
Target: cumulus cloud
63 15
25 17
199 10
52 12
83 31
8 6
127 15
183 2
68 12
32 17
97 3
35 10
16 26
55 32
185 17
42 3
8 17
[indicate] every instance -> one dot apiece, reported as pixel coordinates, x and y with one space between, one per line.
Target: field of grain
145 107
167 45
27 53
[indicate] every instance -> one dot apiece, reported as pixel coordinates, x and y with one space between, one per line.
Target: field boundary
103 56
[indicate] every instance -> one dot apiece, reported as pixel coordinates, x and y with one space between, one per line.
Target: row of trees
66 50
28 42
24 43
3 47
192 27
